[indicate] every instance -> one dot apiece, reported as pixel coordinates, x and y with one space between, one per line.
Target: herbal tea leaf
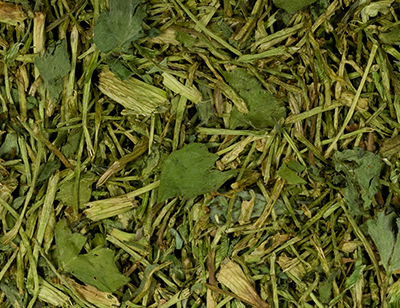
187 172
185 38
47 169
291 6
53 66
66 196
395 261
264 108
290 176
68 244
97 268
391 37
362 169
9 146
381 232
120 26
118 68
219 207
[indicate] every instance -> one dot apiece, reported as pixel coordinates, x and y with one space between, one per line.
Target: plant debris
199 153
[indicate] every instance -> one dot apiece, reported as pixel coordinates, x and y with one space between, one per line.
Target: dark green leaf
219 207
118 68
66 195
12 295
395 261
325 288
120 26
291 6
154 32
178 239
264 108
296 166
9 146
362 170
187 172
47 169
72 145
68 244
53 66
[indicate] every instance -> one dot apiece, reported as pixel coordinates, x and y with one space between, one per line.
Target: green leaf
98 269
325 288
47 169
118 68
290 176
362 169
221 251
187 172
355 276
120 26
291 6
66 195
381 232
9 146
68 244
391 37
185 38
296 166
53 66
12 295
264 108
395 261
178 239
72 145
219 207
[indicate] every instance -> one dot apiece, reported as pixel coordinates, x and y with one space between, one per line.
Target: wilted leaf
362 169
187 172
120 26
264 108
393 297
